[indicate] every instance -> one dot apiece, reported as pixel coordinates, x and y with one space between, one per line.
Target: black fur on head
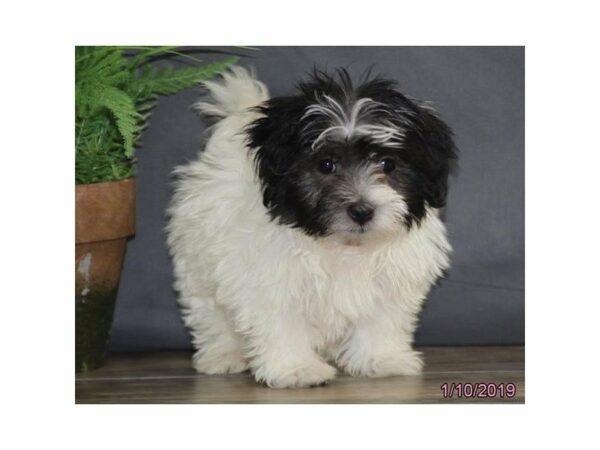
335 145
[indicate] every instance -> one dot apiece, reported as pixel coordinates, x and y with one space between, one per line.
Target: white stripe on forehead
358 122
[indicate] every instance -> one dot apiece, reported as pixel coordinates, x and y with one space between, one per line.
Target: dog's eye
326 166
387 165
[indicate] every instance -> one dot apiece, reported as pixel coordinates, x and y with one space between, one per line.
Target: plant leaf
126 116
168 80
144 53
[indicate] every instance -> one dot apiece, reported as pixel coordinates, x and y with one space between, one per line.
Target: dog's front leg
382 346
282 354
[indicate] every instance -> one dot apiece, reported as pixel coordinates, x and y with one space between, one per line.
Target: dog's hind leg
218 346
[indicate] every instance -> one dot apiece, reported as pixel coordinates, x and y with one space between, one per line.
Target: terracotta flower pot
104 219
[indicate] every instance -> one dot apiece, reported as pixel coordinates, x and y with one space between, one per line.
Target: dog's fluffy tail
235 92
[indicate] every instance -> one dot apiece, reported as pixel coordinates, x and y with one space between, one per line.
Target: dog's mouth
358 230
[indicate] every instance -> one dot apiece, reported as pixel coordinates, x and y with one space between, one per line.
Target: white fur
262 296
346 125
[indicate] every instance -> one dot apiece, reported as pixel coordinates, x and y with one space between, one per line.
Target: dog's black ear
274 140
432 146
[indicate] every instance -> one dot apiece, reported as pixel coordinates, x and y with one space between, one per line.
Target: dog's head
353 161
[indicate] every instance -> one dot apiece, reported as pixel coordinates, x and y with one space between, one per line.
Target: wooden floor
167 377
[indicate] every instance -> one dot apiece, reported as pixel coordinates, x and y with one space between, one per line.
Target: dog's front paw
219 363
314 373
384 365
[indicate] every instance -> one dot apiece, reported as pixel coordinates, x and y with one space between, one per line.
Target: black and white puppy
306 234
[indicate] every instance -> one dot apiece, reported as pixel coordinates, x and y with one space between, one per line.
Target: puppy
306 234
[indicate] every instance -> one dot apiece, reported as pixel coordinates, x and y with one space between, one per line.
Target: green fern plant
115 90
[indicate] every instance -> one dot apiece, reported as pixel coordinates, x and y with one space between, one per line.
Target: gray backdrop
479 91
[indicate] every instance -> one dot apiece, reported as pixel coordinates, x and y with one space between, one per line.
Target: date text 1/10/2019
478 390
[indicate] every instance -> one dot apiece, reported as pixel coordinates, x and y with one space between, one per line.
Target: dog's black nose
361 213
